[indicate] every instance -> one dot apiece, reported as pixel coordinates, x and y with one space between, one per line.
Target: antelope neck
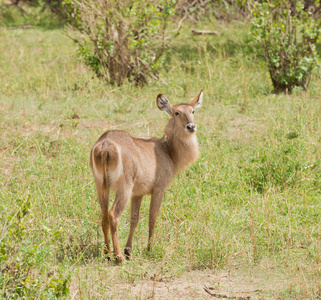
184 150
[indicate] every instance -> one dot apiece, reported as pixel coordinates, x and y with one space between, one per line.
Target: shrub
286 35
226 10
120 39
23 261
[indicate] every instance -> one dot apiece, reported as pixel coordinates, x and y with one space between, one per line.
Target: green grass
251 201
28 14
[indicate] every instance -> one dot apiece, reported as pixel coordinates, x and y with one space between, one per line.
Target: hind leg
121 199
104 202
134 217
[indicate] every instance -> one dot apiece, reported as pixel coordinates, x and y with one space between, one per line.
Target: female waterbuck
134 167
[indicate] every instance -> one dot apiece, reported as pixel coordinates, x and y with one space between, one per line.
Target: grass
251 203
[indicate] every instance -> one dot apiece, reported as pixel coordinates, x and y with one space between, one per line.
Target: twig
202 32
180 23
220 295
74 295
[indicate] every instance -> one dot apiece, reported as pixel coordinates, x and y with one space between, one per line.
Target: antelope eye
177 113
193 112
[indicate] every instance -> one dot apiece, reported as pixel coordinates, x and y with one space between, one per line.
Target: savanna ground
244 220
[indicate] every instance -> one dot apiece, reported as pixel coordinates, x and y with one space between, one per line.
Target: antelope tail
111 163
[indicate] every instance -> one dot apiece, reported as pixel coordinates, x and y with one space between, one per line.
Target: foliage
19 256
221 10
286 36
212 215
28 13
313 7
119 39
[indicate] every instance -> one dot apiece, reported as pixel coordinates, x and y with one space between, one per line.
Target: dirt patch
193 285
6 169
93 124
206 284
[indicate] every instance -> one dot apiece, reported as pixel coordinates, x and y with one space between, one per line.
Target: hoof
120 258
107 254
128 253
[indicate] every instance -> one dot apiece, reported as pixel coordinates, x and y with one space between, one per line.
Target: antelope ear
197 101
163 104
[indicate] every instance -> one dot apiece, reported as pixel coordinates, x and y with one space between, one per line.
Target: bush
226 10
286 34
120 39
23 261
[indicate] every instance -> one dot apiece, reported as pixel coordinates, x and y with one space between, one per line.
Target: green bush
119 39
23 260
286 35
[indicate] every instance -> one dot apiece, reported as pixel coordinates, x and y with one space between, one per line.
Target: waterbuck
133 167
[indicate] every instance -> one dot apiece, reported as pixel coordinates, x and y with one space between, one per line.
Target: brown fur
134 167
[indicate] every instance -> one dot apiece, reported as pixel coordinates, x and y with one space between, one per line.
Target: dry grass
249 208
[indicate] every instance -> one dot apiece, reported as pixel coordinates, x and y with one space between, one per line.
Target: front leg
155 203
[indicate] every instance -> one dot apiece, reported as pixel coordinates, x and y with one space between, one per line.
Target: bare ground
194 284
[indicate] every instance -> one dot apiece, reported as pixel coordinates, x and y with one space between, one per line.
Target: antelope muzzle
191 127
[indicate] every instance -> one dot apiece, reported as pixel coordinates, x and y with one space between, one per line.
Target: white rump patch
114 175
98 175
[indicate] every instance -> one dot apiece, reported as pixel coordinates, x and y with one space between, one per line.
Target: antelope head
182 121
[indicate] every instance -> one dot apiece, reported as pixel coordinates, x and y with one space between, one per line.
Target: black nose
191 127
